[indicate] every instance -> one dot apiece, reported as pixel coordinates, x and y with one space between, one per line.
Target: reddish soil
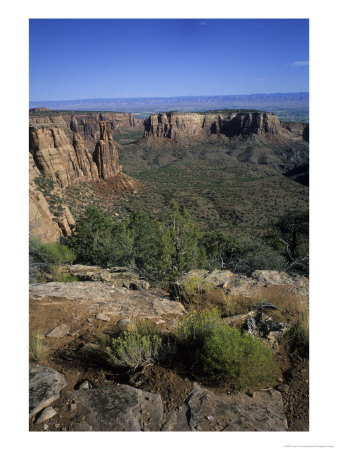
172 382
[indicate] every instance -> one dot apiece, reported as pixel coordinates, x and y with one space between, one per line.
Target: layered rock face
55 157
176 125
105 154
87 124
42 222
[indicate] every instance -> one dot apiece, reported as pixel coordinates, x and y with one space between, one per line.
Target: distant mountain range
188 103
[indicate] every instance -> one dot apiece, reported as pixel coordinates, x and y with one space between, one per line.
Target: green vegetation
48 259
55 201
37 350
161 250
237 358
296 340
197 326
134 349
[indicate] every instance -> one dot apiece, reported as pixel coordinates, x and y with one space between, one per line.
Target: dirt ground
66 355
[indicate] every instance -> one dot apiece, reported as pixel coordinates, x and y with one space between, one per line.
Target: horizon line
171 96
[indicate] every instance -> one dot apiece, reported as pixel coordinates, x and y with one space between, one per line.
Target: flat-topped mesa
105 154
175 125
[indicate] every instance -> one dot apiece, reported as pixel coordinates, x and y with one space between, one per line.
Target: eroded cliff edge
60 161
227 123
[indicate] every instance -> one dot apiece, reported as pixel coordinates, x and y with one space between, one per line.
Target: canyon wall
87 124
63 161
176 125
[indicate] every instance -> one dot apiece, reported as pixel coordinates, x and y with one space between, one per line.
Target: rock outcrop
104 298
206 411
87 124
118 276
118 408
227 124
240 285
43 223
45 385
56 157
62 161
105 154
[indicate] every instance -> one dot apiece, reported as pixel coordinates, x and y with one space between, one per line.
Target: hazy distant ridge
290 99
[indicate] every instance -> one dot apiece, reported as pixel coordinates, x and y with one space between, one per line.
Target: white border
14 178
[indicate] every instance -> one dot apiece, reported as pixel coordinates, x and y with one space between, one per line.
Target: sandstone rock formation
105 154
62 161
227 123
43 224
56 157
87 124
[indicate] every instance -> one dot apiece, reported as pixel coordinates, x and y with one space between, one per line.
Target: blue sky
109 58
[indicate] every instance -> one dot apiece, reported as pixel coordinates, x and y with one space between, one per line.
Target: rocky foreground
70 391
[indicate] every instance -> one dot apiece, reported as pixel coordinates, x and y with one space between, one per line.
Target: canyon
68 148
228 123
58 153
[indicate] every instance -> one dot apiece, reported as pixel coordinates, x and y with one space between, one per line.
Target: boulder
206 411
118 408
45 385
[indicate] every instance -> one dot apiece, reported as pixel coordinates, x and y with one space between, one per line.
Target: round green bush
239 359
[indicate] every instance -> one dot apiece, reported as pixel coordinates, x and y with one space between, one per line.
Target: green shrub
296 339
46 258
197 326
53 252
57 274
133 349
37 349
241 360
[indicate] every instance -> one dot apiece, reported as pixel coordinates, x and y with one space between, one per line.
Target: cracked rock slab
45 385
205 411
105 299
118 408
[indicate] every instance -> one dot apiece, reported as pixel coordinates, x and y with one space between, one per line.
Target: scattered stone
139 285
125 324
56 425
59 331
45 427
72 406
45 385
82 426
283 388
119 408
85 385
262 325
45 414
263 411
101 316
73 332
